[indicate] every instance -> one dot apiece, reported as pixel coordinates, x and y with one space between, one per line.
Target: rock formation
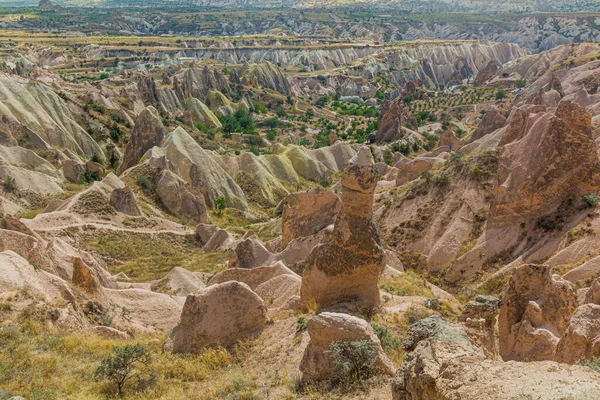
394 116
219 315
305 213
327 328
443 364
148 132
491 121
553 161
84 277
535 313
581 339
348 268
123 200
181 199
479 320
486 73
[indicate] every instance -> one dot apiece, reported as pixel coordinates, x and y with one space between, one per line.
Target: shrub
387 341
521 83
591 200
97 159
441 179
145 183
500 94
478 173
355 359
301 324
9 184
594 363
123 365
221 204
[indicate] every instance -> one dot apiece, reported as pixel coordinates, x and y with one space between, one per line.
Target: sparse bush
9 184
354 360
123 365
594 363
301 324
145 183
591 200
441 179
388 343
521 83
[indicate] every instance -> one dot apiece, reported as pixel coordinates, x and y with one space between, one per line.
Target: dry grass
41 363
407 284
146 257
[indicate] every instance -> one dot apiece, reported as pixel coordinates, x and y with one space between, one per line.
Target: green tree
123 365
500 94
521 83
221 204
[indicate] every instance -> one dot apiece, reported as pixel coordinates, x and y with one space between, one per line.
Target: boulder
535 313
348 267
204 232
73 170
147 132
449 139
107 332
328 328
179 281
123 200
275 284
219 315
581 340
305 213
250 253
181 199
95 169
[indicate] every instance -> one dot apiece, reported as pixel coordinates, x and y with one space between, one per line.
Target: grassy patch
146 257
407 284
38 363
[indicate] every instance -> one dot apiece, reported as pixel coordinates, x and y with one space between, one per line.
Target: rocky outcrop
553 161
442 364
305 213
479 320
123 200
486 73
219 315
84 277
200 114
250 253
38 114
394 116
348 268
199 169
328 328
581 340
276 284
148 132
264 75
491 121
535 313
181 199
179 281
